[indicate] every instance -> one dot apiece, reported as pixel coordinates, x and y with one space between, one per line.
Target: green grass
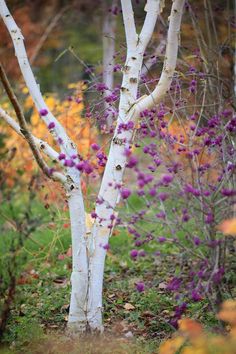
41 302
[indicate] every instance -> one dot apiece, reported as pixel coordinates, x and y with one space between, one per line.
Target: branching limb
153 8
24 130
164 83
58 132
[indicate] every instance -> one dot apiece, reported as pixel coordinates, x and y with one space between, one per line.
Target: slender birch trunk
77 321
112 177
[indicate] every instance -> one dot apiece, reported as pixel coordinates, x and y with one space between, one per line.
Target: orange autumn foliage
192 339
228 227
69 114
31 30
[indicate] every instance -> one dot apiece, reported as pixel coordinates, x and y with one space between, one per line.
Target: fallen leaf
65 308
148 314
162 286
129 306
69 252
60 282
51 225
129 334
61 257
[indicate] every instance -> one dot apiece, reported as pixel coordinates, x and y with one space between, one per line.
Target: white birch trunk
113 174
77 321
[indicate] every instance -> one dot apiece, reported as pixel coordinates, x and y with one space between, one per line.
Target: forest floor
135 322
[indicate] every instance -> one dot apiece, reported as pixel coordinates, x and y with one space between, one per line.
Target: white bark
45 147
108 50
42 145
77 321
79 278
173 39
115 166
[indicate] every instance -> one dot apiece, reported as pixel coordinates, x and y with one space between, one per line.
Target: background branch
24 128
41 144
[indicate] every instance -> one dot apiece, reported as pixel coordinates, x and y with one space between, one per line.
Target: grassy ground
135 321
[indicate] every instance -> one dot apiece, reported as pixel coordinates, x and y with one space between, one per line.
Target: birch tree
87 254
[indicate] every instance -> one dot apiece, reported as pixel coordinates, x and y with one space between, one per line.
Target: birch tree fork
89 254
129 110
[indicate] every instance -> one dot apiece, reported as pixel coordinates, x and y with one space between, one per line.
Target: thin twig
23 125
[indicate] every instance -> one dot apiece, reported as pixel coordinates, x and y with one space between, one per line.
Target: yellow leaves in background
191 338
69 114
228 312
25 90
171 346
183 129
190 327
228 227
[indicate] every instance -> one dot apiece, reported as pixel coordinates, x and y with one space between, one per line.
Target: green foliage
43 288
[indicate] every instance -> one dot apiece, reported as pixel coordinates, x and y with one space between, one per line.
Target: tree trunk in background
108 40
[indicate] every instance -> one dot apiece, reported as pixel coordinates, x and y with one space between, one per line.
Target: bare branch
57 130
153 10
158 52
48 30
41 144
164 83
129 24
23 128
